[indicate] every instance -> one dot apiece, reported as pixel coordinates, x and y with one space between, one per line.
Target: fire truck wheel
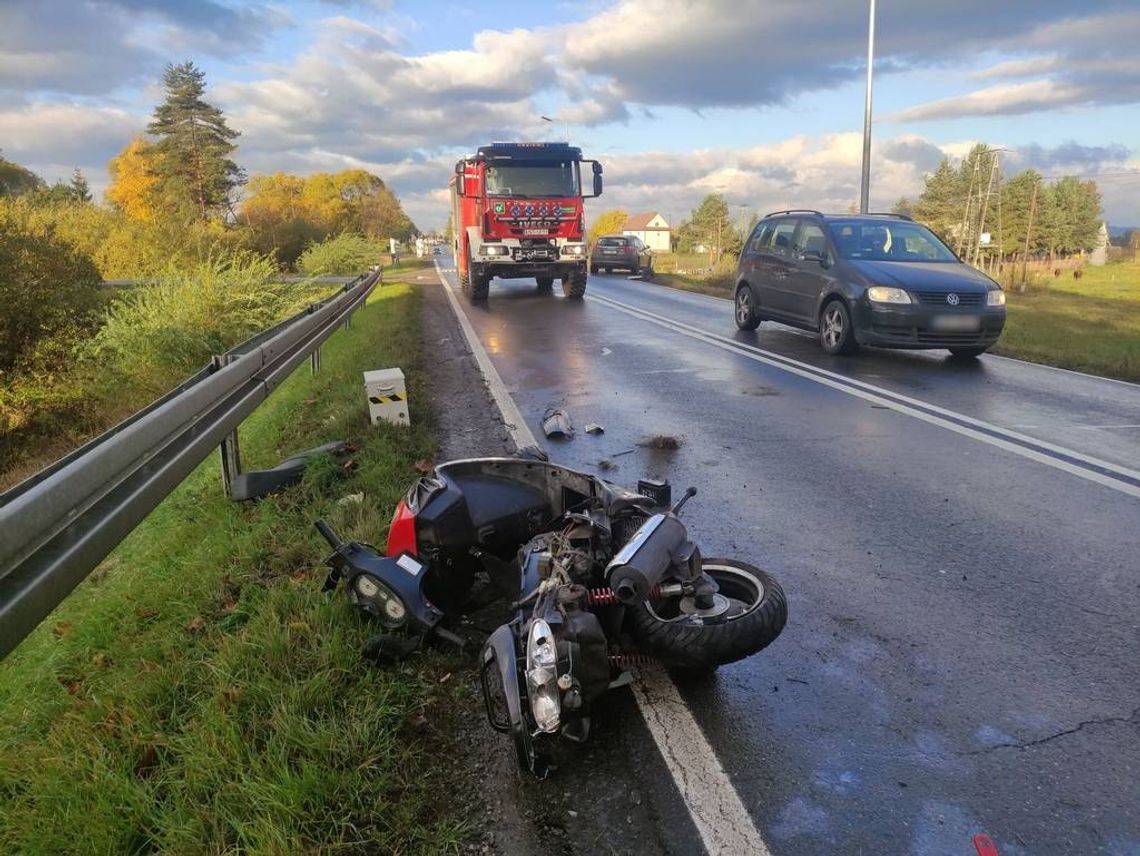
480 286
593 268
545 283
575 284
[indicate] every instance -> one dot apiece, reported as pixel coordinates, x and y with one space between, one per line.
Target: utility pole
865 187
985 206
1029 231
965 231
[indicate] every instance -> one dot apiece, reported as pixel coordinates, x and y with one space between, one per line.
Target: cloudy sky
761 100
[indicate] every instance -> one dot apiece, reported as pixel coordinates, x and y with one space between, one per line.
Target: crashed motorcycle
598 579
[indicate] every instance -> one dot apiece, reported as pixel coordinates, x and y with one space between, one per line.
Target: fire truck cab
517 212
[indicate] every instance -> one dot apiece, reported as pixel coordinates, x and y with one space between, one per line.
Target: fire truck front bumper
512 259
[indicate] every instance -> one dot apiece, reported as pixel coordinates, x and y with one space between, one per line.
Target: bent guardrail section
58 525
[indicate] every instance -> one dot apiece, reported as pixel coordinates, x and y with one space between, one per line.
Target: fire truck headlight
574 250
494 250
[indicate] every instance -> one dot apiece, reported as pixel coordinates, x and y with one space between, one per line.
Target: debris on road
556 422
351 499
622 452
606 464
661 441
423 465
595 428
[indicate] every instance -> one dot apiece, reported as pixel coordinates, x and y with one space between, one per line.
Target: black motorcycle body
597 576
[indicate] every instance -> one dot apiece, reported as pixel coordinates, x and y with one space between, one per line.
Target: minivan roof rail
888 214
796 211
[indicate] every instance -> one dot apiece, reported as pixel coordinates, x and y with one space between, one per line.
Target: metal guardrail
58 525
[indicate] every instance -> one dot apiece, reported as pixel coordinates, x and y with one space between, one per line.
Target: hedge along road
961 655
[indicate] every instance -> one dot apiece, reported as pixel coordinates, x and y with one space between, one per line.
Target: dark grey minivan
865 279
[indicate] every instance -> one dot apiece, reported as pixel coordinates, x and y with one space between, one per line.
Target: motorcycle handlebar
329 535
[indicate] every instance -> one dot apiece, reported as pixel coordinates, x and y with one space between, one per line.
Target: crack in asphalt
1133 718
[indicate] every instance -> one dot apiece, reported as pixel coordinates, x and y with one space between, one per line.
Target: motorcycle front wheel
750 612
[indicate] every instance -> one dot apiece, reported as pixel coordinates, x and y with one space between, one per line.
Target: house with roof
651 228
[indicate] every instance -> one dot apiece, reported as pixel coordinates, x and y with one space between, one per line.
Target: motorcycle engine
583 670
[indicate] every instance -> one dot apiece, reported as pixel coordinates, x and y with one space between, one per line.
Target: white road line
719 815
900 403
516 426
725 827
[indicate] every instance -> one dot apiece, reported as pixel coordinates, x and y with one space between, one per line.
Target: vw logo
952 299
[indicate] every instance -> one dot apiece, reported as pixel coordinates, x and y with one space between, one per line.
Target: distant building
651 228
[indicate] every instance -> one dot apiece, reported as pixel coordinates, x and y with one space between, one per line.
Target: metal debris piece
622 452
595 428
556 423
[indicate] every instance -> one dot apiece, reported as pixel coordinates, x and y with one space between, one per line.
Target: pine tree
80 192
942 202
194 144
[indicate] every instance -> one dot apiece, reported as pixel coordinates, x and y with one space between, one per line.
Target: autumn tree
609 222
134 180
16 180
711 224
194 144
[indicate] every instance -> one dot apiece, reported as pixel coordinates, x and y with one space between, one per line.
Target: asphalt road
960 546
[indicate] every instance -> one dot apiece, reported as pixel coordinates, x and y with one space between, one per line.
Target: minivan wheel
746 309
835 333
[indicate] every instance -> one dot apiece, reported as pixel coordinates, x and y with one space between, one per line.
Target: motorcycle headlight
995 298
886 294
381 601
542 676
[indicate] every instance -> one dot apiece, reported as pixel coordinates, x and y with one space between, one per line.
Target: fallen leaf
147 762
309 402
99 660
350 465
445 678
196 624
146 611
62 628
423 465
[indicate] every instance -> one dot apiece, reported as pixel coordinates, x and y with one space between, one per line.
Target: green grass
198 693
1091 324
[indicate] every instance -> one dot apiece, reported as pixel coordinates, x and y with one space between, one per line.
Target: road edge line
714 806
516 426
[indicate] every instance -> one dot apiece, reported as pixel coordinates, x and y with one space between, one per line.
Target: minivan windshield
893 241
533 181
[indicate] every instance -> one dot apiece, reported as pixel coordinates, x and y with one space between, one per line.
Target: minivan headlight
995 297
886 294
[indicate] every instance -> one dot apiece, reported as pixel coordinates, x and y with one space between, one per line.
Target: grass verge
198 694
1091 324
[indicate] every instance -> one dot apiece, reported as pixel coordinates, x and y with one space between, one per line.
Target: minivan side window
761 237
810 239
782 238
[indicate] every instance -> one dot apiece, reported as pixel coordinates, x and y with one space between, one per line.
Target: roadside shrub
161 332
45 287
345 254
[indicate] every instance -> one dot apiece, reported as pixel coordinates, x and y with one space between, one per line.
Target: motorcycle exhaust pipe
645 559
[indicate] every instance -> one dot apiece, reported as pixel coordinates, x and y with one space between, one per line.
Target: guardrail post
315 361
230 450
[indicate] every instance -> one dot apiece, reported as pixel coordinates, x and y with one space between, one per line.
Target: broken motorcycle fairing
597 577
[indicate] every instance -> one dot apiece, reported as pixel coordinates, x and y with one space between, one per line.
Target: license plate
955 323
534 255
609 252
535 232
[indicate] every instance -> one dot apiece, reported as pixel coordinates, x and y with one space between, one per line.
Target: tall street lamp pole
865 188
565 126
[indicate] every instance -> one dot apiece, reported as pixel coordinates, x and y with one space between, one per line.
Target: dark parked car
865 279
621 252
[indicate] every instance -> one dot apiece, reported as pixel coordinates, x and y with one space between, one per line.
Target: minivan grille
938 298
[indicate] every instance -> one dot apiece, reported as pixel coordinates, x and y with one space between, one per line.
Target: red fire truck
517 212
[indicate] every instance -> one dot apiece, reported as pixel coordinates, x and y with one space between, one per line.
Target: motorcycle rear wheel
756 614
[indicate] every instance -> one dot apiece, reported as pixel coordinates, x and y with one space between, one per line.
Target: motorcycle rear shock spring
607 596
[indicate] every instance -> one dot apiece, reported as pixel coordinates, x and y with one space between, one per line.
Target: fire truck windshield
528 181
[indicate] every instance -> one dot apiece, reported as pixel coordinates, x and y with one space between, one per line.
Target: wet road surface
963 650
